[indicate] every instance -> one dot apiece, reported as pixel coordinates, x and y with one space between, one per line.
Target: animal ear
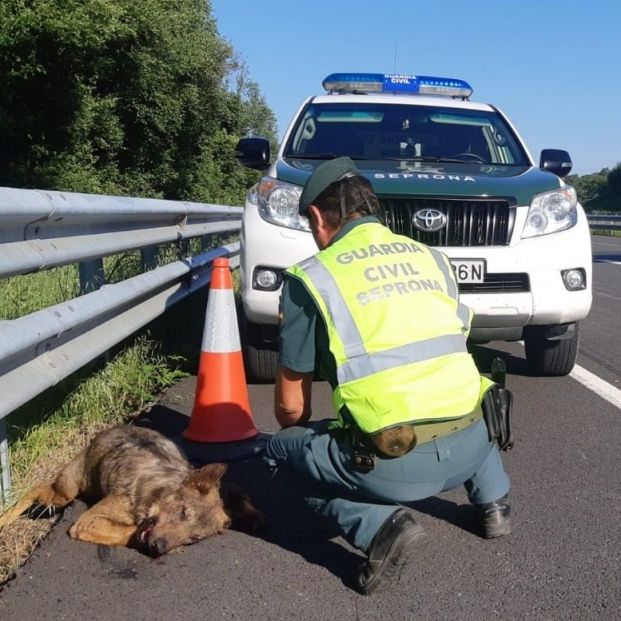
208 476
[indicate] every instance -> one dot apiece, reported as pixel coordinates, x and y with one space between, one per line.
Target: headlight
278 203
551 212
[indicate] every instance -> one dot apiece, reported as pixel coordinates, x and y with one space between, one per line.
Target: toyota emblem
429 220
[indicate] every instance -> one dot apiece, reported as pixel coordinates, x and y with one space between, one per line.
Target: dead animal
146 494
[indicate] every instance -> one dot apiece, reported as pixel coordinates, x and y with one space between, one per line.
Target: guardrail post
92 276
183 247
148 257
5 466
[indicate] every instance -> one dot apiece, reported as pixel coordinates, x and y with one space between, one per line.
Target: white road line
606 261
597 385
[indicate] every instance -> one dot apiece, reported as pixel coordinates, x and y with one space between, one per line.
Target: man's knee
285 442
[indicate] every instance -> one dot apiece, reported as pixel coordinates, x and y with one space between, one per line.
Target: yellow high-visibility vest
396 329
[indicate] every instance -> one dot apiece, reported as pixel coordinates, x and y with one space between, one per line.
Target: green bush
123 97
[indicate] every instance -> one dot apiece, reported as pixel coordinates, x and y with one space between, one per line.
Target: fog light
266 279
574 279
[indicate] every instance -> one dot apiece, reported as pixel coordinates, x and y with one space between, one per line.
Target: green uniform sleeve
297 327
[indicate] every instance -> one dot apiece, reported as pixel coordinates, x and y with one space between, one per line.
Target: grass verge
41 441
606 233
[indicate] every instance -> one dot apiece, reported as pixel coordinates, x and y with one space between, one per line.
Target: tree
591 189
118 96
614 182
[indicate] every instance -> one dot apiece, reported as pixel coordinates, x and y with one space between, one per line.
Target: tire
260 354
548 356
261 364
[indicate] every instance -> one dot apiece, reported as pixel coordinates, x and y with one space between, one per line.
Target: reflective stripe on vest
463 312
360 363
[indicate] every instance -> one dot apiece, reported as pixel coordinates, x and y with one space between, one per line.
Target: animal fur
146 494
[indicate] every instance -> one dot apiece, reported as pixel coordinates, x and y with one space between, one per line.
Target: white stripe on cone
221 333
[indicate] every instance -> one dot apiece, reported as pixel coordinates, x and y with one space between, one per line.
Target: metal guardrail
44 229
604 222
40 230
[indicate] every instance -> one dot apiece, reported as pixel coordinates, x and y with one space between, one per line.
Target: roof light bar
396 83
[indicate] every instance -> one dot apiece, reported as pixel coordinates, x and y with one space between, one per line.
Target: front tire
260 350
547 354
261 364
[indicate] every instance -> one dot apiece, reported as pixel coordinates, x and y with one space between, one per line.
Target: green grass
606 233
22 295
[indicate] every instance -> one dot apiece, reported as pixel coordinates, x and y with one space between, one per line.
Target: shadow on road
292 525
484 354
606 257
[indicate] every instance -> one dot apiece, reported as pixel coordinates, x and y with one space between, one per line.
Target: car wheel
261 364
260 353
549 355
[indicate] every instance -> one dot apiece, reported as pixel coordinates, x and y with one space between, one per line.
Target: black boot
494 517
391 549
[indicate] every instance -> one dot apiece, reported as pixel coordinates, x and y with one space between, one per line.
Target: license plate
469 270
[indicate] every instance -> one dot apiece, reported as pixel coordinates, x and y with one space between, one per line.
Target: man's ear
322 231
315 214
207 477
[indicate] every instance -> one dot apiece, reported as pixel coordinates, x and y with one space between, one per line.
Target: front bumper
497 316
503 315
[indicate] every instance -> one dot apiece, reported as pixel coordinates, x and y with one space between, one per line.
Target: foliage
123 97
614 181
600 191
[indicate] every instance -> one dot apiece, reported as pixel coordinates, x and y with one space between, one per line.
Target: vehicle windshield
371 131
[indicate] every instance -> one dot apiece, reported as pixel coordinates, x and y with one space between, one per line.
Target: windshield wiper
313 156
323 156
430 158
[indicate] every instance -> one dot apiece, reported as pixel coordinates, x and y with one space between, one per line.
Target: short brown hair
348 198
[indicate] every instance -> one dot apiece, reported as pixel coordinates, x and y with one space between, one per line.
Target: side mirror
253 152
556 161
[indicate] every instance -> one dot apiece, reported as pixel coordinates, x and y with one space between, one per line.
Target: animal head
192 512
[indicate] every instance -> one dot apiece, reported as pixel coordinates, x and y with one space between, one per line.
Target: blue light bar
401 84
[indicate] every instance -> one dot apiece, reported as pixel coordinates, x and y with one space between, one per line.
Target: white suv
450 173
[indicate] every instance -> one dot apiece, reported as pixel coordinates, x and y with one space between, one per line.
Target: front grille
497 283
469 222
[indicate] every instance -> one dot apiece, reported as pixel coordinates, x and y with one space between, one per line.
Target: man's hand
292 397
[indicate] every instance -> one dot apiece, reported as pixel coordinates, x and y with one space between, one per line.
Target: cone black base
207 452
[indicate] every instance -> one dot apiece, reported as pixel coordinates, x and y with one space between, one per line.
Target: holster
496 406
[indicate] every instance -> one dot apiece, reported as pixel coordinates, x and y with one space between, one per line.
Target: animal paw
74 531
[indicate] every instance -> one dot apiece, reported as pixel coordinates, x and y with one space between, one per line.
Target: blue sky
555 72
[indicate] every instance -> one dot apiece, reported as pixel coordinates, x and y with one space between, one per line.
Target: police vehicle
450 173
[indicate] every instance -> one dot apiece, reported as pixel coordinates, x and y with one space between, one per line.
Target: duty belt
432 431
406 437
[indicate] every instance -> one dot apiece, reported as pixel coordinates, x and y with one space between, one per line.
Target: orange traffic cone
221 410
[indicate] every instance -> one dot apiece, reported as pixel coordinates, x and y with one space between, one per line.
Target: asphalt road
562 561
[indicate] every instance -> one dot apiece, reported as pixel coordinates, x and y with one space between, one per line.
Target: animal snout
157 546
